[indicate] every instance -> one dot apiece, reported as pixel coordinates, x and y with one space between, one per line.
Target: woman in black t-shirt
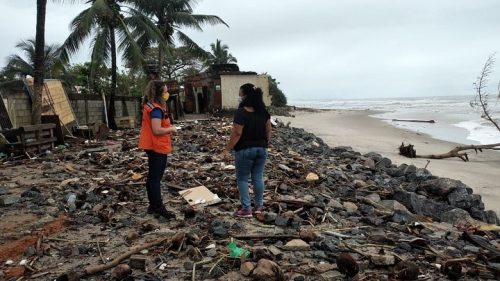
249 138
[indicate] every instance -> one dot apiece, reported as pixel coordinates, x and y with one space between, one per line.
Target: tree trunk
36 107
160 61
111 108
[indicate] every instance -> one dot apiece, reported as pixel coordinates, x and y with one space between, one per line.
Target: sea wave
480 131
455 119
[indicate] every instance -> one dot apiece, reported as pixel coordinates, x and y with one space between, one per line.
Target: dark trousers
157 163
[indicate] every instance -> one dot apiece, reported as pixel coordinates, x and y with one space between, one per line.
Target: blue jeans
251 161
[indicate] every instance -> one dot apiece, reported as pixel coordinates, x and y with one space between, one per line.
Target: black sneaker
163 212
151 210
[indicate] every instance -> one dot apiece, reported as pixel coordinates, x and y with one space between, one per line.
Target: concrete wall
19 108
88 109
230 87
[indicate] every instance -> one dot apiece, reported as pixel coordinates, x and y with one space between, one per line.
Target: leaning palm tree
220 54
24 64
114 26
172 16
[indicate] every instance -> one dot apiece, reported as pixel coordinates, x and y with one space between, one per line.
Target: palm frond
82 26
191 45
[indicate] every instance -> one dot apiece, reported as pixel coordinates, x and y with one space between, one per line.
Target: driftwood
412 120
265 236
94 269
410 152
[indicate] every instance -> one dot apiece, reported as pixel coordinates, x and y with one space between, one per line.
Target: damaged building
218 87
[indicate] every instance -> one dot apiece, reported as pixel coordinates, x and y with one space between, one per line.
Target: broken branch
410 152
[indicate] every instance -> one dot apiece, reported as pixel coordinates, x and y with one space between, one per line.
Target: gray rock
421 205
188 265
384 163
374 156
395 172
212 253
3 191
393 205
472 249
270 217
220 228
491 217
374 197
281 221
334 204
402 217
299 277
410 169
423 174
456 217
461 198
9 200
442 186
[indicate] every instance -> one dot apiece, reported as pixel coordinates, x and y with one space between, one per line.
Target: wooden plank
31 128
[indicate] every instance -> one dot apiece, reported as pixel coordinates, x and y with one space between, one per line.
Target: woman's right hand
172 129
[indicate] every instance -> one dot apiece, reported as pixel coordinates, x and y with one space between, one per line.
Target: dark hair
252 97
154 91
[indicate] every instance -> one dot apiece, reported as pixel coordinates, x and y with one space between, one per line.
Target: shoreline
364 133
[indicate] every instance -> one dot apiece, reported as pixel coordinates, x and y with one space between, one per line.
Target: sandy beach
366 134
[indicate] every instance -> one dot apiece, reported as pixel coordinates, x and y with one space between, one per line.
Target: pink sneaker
258 210
243 213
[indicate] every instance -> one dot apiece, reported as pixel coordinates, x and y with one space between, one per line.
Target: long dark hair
154 91
252 97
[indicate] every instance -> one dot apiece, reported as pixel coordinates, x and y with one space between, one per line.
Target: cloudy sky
327 49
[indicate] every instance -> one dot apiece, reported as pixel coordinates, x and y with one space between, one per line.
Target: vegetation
114 26
278 98
39 69
482 98
170 17
24 64
220 54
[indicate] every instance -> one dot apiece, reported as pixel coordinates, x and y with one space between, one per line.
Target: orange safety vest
149 141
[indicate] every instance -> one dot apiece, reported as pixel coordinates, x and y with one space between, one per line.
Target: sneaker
163 212
243 213
151 210
258 210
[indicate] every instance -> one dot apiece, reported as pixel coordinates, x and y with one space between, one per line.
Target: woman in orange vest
156 140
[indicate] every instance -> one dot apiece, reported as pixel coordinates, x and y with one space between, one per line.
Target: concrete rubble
79 213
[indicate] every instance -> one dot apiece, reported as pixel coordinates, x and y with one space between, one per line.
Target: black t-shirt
254 128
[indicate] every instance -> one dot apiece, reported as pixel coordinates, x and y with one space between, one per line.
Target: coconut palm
172 16
113 26
36 109
220 54
22 65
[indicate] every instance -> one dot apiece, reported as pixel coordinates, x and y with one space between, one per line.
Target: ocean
455 120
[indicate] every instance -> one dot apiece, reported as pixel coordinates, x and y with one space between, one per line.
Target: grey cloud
331 48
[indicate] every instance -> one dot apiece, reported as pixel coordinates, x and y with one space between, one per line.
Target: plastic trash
236 252
61 146
71 202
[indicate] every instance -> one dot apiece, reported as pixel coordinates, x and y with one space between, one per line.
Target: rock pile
330 213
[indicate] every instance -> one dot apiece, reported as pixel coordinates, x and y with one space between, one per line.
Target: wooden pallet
125 122
33 138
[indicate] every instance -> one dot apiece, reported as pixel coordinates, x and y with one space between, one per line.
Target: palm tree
170 17
220 54
115 26
22 65
36 109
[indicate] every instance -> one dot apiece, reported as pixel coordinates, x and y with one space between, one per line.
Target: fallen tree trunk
410 152
94 269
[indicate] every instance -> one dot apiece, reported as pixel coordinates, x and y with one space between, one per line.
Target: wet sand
365 134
